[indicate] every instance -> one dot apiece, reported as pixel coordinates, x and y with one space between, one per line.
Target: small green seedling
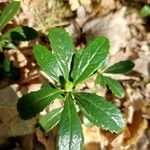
10 38
68 68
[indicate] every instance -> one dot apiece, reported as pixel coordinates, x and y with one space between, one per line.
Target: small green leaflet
113 85
70 131
20 33
47 62
91 59
50 120
8 13
62 46
100 112
120 67
33 103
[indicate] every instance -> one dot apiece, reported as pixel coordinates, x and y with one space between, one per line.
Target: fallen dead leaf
108 26
10 122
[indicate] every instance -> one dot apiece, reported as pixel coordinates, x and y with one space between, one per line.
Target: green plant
145 11
68 68
11 38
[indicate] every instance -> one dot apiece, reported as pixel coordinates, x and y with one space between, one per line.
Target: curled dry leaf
108 26
10 122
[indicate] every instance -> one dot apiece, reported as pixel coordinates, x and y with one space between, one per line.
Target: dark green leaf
114 86
50 120
120 67
47 62
100 80
91 59
8 13
101 112
20 33
62 46
70 131
33 103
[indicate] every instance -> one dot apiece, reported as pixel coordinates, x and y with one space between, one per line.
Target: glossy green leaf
50 120
62 46
115 87
121 67
33 103
8 13
91 59
20 33
70 131
101 112
47 61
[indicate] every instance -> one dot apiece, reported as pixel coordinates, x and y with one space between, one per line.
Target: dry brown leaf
91 134
135 130
92 146
108 4
10 122
114 26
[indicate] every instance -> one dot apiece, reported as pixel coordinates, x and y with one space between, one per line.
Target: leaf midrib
38 100
88 61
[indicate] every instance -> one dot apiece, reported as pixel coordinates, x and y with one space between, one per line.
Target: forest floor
129 35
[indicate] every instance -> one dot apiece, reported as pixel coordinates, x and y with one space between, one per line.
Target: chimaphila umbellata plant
68 68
